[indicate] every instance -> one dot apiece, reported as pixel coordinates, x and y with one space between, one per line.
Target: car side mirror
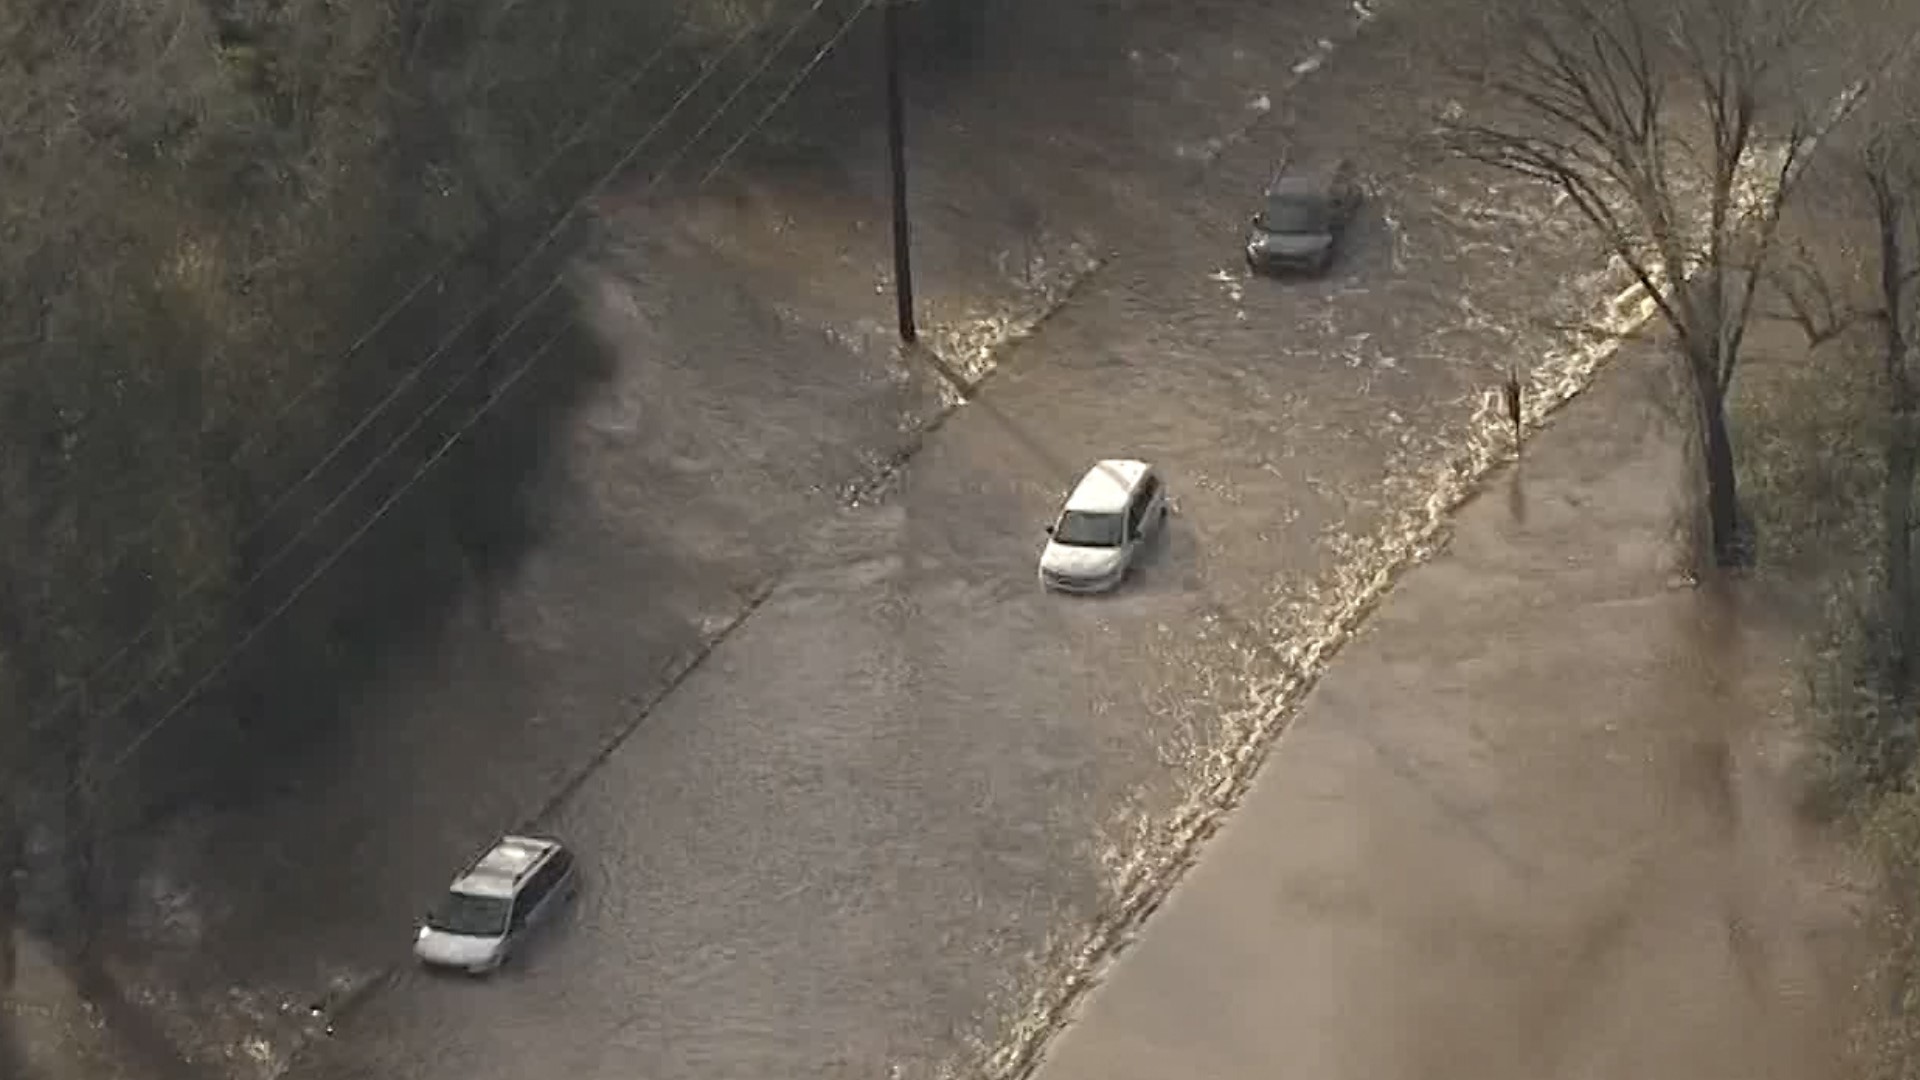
1049 530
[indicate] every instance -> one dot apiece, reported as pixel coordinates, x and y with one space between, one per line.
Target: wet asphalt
861 835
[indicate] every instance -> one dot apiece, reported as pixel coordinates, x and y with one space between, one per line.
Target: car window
1138 511
1078 528
536 889
558 868
1151 493
1294 212
464 913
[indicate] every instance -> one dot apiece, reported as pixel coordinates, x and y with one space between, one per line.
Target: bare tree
1649 117
1863 293
1890 165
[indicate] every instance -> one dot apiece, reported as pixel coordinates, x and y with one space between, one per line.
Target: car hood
1289 243
1068 560
455 950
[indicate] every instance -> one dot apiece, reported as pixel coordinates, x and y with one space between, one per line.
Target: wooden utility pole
897 154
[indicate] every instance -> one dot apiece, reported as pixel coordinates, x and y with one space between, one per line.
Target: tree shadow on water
265 747
456 537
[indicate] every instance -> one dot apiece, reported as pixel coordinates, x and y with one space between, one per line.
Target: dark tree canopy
209 207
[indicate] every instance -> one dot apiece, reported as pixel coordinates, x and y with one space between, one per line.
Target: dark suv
1302 217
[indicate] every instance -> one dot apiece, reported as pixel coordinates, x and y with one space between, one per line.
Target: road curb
676 672
348 1003
1461 477
1410 541
342 1007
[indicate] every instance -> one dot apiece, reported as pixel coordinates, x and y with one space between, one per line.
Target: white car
518 884
1115 509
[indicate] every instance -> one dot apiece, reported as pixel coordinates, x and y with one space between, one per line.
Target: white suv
1115 509
518 884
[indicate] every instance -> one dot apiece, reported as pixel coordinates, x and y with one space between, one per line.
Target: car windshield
463 913
1081 529
1294 213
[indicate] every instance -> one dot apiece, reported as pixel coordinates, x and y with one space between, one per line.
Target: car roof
1307 178
1105 488
499 872
1297 186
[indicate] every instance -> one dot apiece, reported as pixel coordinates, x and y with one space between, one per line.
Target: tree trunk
1897 512
1892 203
1723 493
12 1054
475 503
81 869
11 857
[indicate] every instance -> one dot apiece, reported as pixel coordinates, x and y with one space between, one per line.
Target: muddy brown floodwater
1537 821
869 835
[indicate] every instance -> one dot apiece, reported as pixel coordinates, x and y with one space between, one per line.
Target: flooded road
1539 821
862 838
870 834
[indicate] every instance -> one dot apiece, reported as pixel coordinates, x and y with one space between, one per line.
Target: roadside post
1511 393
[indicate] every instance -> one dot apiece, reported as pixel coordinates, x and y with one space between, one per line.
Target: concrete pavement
1531 824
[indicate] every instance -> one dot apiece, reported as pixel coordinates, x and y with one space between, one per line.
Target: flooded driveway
869 832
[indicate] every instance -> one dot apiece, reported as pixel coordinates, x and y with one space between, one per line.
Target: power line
412 376
360 478
393 310
787 92
226 659
760 69
219 667
531 184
